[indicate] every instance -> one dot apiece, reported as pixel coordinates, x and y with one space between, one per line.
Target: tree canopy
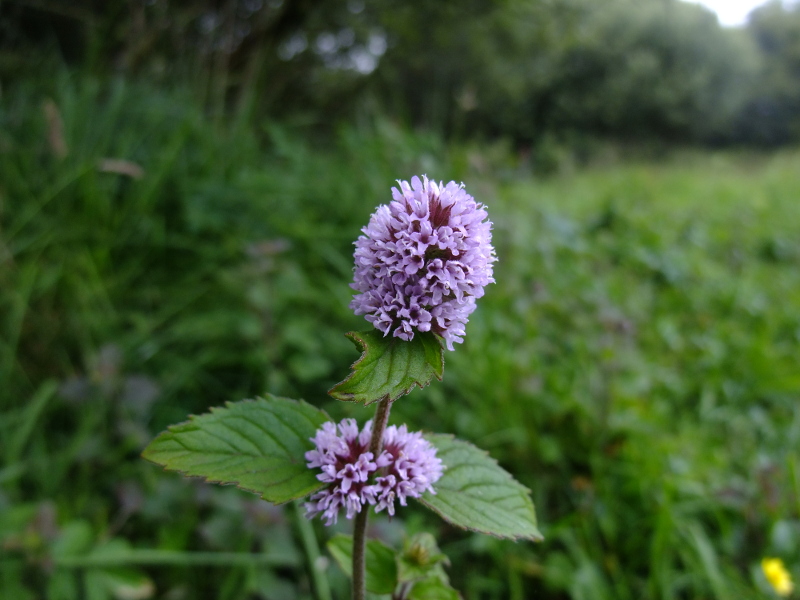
522 69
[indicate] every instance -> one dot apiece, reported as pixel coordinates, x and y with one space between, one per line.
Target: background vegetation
180 187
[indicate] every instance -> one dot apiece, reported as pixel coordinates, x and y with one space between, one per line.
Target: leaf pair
260 445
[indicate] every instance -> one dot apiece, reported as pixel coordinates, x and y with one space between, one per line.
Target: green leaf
62 584
257 445
380 559
476 494
390 366
433 588
75 539
420 559
119 584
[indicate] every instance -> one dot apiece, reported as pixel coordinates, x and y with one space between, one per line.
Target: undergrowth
635 364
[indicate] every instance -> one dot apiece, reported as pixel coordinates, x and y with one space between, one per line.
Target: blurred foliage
773 112
537 72
152 265
635 365
180 187
626 69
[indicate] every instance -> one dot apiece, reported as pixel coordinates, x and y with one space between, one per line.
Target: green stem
360 526
312 553
359 555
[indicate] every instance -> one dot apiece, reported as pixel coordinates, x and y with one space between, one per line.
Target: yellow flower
777 575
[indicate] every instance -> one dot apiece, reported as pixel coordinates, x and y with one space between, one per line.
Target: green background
176 226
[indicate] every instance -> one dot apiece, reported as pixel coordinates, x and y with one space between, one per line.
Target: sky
731 12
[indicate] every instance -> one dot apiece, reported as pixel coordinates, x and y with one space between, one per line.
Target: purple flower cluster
406 468
423 260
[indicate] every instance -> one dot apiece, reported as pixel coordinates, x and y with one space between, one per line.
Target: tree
772 115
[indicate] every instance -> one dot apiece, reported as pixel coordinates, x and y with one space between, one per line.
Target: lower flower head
777 576
406 468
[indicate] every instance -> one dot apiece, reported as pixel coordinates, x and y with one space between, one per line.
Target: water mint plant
420 265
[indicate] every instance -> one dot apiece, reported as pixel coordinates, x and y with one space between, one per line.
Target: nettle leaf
433 588
257 445
477 494
390 366
380 558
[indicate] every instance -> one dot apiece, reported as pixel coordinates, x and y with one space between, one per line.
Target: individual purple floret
423 260
407 467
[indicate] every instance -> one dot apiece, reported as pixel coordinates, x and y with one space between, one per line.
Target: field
635 365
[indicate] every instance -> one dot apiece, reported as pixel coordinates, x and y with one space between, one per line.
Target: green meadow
635 364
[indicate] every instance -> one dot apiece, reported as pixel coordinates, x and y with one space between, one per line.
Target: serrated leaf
257 445
477 494
433 588
381 567
390 366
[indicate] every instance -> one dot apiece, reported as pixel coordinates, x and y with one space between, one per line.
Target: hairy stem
360 526
359 558
379 426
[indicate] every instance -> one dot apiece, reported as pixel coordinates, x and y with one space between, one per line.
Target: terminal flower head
406 468
423 260
777 576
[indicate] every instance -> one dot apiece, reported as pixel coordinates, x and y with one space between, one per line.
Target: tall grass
635 364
